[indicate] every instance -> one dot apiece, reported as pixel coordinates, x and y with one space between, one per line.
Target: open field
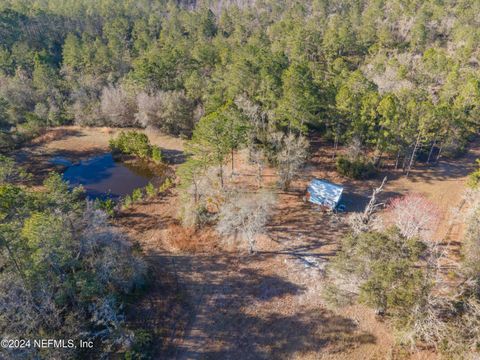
210 300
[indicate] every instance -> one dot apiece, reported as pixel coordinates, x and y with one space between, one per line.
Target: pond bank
75 144
103 176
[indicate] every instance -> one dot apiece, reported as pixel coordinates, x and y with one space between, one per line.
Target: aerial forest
386 85
399 77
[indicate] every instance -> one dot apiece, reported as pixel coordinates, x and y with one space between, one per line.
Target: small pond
101 176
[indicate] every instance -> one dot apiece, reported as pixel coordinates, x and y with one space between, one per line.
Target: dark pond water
101 176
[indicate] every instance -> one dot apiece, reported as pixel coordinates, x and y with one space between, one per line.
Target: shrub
474 178
127 202
10 172
33 127
137 195
137 144
132 143
7 142
167 184
142 346
355 169
150 190
107 205
203 216
156 154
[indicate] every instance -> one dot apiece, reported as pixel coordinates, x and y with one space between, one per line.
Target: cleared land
209 300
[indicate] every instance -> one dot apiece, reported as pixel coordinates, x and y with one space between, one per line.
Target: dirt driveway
216 304
236 306
268 306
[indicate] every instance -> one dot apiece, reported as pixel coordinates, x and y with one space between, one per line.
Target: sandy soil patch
268 305
208 301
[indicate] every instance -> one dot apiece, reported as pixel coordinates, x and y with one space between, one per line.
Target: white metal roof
325 193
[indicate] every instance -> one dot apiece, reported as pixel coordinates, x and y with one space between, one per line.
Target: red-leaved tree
415 215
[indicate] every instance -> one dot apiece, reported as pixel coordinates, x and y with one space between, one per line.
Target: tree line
401 78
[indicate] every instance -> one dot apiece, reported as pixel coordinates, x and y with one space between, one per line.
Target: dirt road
268 306
209 303
264 306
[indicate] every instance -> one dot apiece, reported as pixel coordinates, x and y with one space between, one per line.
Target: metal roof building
325 193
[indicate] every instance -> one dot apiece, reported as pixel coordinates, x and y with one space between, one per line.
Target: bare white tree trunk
431 151
372 205
414 152
439 153
335 147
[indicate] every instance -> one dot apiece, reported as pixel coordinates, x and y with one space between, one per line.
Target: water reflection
101 176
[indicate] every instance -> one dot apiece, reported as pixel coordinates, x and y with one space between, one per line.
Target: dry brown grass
188 240
77 138
267 305
49 135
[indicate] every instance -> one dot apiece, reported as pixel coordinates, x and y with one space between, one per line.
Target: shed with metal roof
325 193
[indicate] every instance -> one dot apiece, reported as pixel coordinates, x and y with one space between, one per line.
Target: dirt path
268 306
236 306
444 184
209 303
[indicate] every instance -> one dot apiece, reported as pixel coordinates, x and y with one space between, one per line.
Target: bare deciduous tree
366 221
257 157
169 111
373 204
245 215
290 156
203 193
19 92
118 106
354 150
415 216
256 117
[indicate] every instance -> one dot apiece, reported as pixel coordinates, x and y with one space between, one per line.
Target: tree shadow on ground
444 171
354 202
173 156
224 294
136 217
302 228
55 134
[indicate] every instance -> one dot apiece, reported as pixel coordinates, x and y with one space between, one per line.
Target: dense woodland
397 76
395 81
